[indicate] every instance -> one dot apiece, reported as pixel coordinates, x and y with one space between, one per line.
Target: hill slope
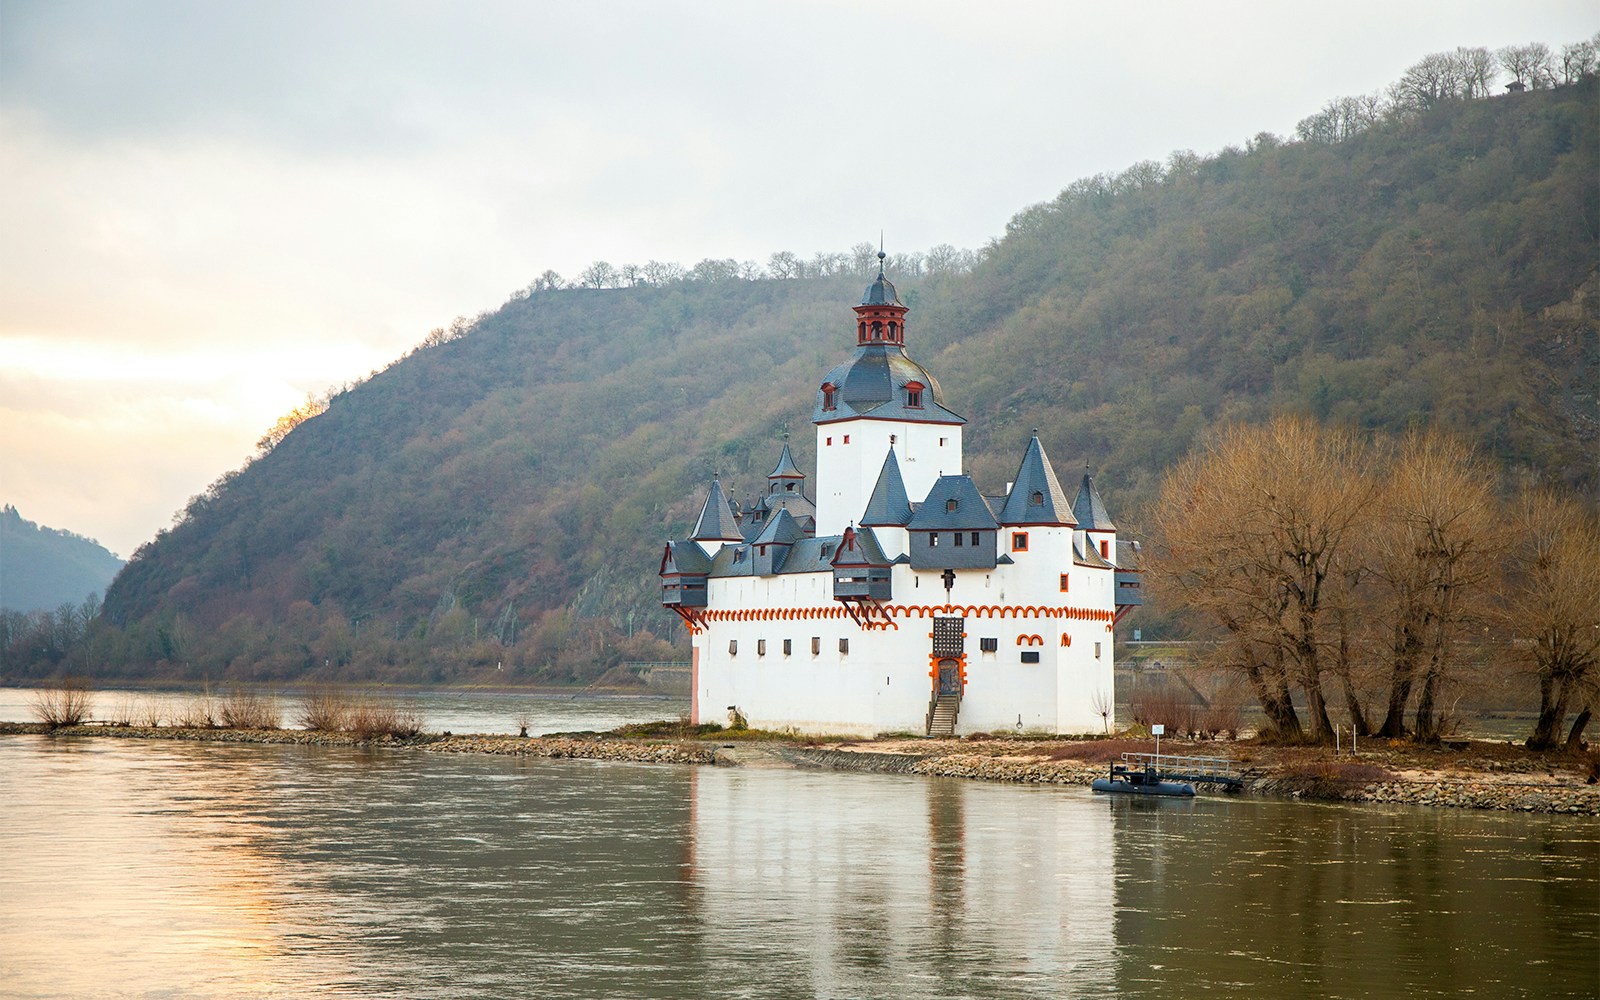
44 568
501 498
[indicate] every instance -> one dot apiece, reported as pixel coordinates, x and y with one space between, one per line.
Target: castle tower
876 401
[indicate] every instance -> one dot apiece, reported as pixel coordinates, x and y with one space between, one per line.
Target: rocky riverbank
1460 776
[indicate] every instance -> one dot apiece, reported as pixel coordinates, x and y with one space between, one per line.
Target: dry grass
67 704
333 710
199 712
241 709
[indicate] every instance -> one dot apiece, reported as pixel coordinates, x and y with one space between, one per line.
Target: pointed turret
889 504
787 477
1036 496
716 522
1088 509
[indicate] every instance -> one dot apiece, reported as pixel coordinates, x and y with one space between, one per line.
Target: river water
140 868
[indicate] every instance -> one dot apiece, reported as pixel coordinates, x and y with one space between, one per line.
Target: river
133 868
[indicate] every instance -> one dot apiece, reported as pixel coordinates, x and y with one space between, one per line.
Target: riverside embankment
1462 775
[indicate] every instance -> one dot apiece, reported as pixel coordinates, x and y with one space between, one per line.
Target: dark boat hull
1179 789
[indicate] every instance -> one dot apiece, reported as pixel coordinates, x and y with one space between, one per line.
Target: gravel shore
1472 780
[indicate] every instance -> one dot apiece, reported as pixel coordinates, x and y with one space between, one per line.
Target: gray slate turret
1036 496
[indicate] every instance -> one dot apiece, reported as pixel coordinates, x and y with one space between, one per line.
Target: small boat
1140 781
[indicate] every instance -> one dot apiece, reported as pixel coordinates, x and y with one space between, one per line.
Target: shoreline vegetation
1465 774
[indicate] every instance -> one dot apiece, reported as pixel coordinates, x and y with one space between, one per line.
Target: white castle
864 612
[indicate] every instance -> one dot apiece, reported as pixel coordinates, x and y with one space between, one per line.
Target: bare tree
1432 558
663 273
1476 69
1578 60
1531 64
1427 84
864 258
784 265
1254 531
1551 608
549 281
598 275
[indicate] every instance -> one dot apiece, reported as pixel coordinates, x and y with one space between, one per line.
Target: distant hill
44 568
499 499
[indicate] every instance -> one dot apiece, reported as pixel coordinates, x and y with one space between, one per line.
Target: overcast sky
210 209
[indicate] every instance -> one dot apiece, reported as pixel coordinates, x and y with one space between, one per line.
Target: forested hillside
501 497
43 568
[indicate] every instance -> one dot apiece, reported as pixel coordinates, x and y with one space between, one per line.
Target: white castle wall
884 683
846 472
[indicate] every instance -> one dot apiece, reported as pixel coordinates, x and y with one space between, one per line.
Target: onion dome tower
878 400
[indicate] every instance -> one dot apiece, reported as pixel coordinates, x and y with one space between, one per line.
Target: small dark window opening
733 647
816 645
788 646
974 538
1064 581
958 538
844 645
894 331
1105 549
761 647
1030 656
989 645
789 487
877 331
933 539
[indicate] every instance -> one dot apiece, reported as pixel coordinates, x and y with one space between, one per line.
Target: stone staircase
942 722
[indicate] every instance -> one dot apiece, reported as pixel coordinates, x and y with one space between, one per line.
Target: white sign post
1158 729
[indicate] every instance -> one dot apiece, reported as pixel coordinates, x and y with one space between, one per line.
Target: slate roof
685 557
873 383
888 503
1088 509
807 555
1036 495
881 292
786 468
783 529
868 551
716 521
971 511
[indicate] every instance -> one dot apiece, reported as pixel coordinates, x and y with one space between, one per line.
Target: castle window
951 504
894 331
847 439
761 647
816 645
733 647
877 330
844 647
989 645
1064 581
1036 498
914 395
958 538
1105 549
1097 651
789 487
1019 541
828 390
974 538
788 646
933 539
1030 656
941 442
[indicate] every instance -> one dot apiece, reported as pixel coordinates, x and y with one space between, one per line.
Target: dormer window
951 504
1036 498
828 389
914 395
